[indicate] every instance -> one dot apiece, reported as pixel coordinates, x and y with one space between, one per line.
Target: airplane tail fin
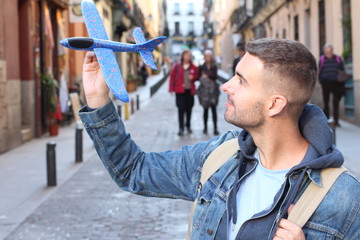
148 47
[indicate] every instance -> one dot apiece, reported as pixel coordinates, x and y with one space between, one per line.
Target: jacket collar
321 152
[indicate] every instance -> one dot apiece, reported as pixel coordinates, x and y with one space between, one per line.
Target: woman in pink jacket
182 79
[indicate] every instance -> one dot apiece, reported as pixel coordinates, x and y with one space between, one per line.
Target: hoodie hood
314 127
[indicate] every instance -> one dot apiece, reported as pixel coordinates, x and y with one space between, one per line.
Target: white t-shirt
256 194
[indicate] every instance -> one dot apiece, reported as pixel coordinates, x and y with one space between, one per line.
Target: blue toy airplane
104 48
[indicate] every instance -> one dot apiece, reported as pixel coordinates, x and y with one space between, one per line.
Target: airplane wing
111 71
138 36
145 54
93 22
106 57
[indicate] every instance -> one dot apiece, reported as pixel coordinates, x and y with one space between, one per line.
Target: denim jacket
176 174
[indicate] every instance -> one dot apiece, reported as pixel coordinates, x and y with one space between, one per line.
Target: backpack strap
213 163
338 59
217 158
313 195
322 60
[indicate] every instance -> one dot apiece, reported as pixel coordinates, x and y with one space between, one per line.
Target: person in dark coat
208 90
241 51
182 79
329 66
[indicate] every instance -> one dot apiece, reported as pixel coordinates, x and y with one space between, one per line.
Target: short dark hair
240 46
291 70
183 53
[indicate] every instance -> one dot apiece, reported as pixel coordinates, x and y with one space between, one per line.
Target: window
307 28
347 34
191 27
349 99
177 28
177 9
105 13
296 28
191 9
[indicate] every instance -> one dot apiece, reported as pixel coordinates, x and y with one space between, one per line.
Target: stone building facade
312 22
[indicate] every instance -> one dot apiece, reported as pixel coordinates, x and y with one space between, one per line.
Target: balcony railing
241 16
259 4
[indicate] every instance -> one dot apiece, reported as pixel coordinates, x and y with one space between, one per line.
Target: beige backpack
303 208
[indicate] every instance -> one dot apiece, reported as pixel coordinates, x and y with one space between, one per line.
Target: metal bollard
78 144
137 102
51 163
132 106
119 110
332 125
126 111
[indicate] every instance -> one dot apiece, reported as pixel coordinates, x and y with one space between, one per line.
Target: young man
284 146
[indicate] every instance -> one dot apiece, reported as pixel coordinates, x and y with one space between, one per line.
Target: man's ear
276 105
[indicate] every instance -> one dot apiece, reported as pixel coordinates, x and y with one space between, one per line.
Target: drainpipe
41 114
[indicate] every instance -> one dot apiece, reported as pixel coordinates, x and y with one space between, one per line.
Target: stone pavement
23 182
90 206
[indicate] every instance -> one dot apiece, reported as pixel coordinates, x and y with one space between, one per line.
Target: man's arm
172 174
168 174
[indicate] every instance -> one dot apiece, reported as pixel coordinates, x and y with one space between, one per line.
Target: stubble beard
249 118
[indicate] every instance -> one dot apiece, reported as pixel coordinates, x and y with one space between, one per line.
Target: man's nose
226 87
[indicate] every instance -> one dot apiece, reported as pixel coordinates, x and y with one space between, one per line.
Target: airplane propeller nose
64 42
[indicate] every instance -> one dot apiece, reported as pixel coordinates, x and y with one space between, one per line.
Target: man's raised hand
95 88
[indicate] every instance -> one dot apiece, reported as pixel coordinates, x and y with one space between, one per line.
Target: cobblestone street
91 206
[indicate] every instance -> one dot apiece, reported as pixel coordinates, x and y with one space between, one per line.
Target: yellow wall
333 24
223 44
101 7
151 7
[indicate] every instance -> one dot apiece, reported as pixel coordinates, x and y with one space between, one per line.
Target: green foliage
347 51
49 85
134 78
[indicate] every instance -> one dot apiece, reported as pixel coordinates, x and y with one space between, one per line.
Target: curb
154 88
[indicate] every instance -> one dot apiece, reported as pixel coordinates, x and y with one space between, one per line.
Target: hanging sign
75 11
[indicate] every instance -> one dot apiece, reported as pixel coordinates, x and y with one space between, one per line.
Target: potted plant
132 82
52 107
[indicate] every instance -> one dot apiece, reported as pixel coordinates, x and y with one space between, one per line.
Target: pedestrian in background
144 74
329 66
182 79
241 52
208 91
